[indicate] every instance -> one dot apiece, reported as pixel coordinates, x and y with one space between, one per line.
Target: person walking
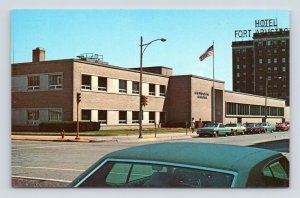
193 125
199 123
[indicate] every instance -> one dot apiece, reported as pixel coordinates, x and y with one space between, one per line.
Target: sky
116 34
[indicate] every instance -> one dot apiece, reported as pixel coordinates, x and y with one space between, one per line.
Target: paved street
58 163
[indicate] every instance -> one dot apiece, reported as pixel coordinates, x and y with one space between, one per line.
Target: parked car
252 128
267 127
186 164
236 128
282 127
214 129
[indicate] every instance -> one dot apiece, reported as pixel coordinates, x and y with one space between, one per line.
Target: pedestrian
200 123
193 125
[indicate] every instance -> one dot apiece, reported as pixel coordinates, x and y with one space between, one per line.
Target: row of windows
54 82
252 110
33 116
281 42
275 69
269 61
102 116
86 83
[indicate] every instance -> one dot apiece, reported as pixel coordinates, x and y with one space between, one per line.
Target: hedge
68 126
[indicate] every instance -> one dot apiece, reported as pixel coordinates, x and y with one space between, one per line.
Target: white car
236 128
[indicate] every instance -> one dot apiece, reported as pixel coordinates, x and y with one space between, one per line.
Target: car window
132 174
118 173
276 173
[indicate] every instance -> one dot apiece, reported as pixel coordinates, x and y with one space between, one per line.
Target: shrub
68 126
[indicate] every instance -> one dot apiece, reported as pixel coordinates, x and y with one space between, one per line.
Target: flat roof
242 93
195 76
219 156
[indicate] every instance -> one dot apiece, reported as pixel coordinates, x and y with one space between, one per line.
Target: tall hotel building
261 66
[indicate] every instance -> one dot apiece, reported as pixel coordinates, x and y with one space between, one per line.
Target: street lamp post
266 114
142 50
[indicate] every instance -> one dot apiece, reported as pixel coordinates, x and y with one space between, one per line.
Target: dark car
185 164
252 128
282 127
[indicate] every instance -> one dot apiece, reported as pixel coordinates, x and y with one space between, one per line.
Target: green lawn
108 132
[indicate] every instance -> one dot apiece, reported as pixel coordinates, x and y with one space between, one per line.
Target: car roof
220 156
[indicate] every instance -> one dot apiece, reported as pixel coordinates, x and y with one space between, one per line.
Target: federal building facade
46 91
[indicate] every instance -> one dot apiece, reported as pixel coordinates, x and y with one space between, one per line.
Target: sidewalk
119 138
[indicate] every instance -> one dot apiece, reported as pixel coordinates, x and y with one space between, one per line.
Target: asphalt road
55 164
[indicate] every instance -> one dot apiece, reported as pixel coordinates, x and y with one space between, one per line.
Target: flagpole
213 94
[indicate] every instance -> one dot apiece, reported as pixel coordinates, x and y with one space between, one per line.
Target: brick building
45 91
262 62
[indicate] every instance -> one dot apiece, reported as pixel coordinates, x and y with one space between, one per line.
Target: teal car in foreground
214 129
186 165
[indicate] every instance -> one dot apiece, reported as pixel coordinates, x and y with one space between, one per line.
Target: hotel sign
262 25
201 95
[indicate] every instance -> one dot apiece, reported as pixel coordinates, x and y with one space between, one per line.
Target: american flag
208 52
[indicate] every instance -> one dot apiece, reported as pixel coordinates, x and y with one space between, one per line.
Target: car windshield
132 174
230 125
211 125
250 124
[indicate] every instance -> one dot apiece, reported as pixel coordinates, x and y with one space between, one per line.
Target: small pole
77 134
155 129
186 123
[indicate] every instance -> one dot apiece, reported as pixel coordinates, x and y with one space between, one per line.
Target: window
254 110
55 82
237 59
277 174
260 61
238 75
151 117
269 60
237 66
283 60
122 86
275 60
275 51
260 52
136 174
151 89
283 69
283 51
102 84
230 108
260 43
275 69
269 77
55 115
102 116
135 87
33 82
162 90
244 66
135 117
86 82
86 115
122 117
33 117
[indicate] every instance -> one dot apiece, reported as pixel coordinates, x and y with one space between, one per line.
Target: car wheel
235 132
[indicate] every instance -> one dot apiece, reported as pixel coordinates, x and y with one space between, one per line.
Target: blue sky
116 35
